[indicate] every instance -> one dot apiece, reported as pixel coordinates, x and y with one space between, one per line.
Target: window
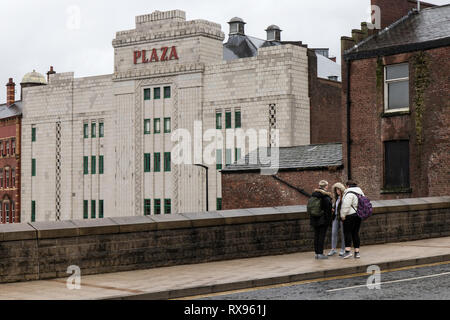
228 157
167 125
237 119
167 206
396 170
7 148
218 120
93 209
147 126
156 125
147 162
100 164
156 93
237 154
227 120
100 209
13 146
166 92
396 89
93 131
157 206
1 148
218 159
13 212
13 178
219 204
6 178
147 207
33 134
93 165
85 165
167 161
85 209
1 178
33 211
85 131
157 162
7 211
33 167
147 94
101 129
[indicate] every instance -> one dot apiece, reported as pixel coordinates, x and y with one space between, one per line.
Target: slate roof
12 111
429 28
293 158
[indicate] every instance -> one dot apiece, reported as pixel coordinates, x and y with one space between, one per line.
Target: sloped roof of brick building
419 30
291 158
11 111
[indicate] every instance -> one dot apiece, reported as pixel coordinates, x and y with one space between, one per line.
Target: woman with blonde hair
338 191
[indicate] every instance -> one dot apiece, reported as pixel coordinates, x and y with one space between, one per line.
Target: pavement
221 276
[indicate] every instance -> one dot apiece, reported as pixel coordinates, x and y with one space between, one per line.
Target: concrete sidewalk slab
206 278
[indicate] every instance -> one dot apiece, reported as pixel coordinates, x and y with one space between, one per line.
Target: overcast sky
39 33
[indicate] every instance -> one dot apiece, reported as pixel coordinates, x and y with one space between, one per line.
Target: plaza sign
155 55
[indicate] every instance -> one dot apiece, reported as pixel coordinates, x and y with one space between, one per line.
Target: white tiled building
101 146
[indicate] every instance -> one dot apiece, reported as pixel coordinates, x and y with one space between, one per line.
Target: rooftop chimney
273 33
10 92
49 73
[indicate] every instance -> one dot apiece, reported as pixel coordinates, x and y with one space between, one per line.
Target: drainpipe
349 167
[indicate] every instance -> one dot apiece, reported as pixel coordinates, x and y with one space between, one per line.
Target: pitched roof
429 28
291 158
11 111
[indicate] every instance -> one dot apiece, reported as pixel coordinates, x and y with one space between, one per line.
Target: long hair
335 186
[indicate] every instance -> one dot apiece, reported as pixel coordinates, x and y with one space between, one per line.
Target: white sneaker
332 252
347 255
341 253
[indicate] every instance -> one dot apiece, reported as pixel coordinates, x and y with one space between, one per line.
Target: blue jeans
337 225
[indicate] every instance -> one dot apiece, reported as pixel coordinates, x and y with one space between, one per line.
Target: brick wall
325 100
253 190
44 250
429 161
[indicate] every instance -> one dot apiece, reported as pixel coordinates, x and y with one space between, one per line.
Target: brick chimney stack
10 92
49 73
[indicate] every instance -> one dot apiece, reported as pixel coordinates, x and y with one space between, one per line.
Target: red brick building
299 171
396 106
10 132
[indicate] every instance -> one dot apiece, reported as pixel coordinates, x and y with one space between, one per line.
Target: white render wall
201 84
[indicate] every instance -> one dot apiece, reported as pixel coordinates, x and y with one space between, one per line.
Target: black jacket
327 205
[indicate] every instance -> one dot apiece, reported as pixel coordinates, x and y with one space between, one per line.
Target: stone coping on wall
74 228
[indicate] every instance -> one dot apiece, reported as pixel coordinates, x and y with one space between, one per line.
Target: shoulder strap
356 194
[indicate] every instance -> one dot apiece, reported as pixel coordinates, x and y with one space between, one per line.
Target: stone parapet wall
44 250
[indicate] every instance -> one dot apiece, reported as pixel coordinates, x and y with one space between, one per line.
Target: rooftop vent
273 33
237 26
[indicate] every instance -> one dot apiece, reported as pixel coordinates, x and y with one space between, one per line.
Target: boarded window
396 171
